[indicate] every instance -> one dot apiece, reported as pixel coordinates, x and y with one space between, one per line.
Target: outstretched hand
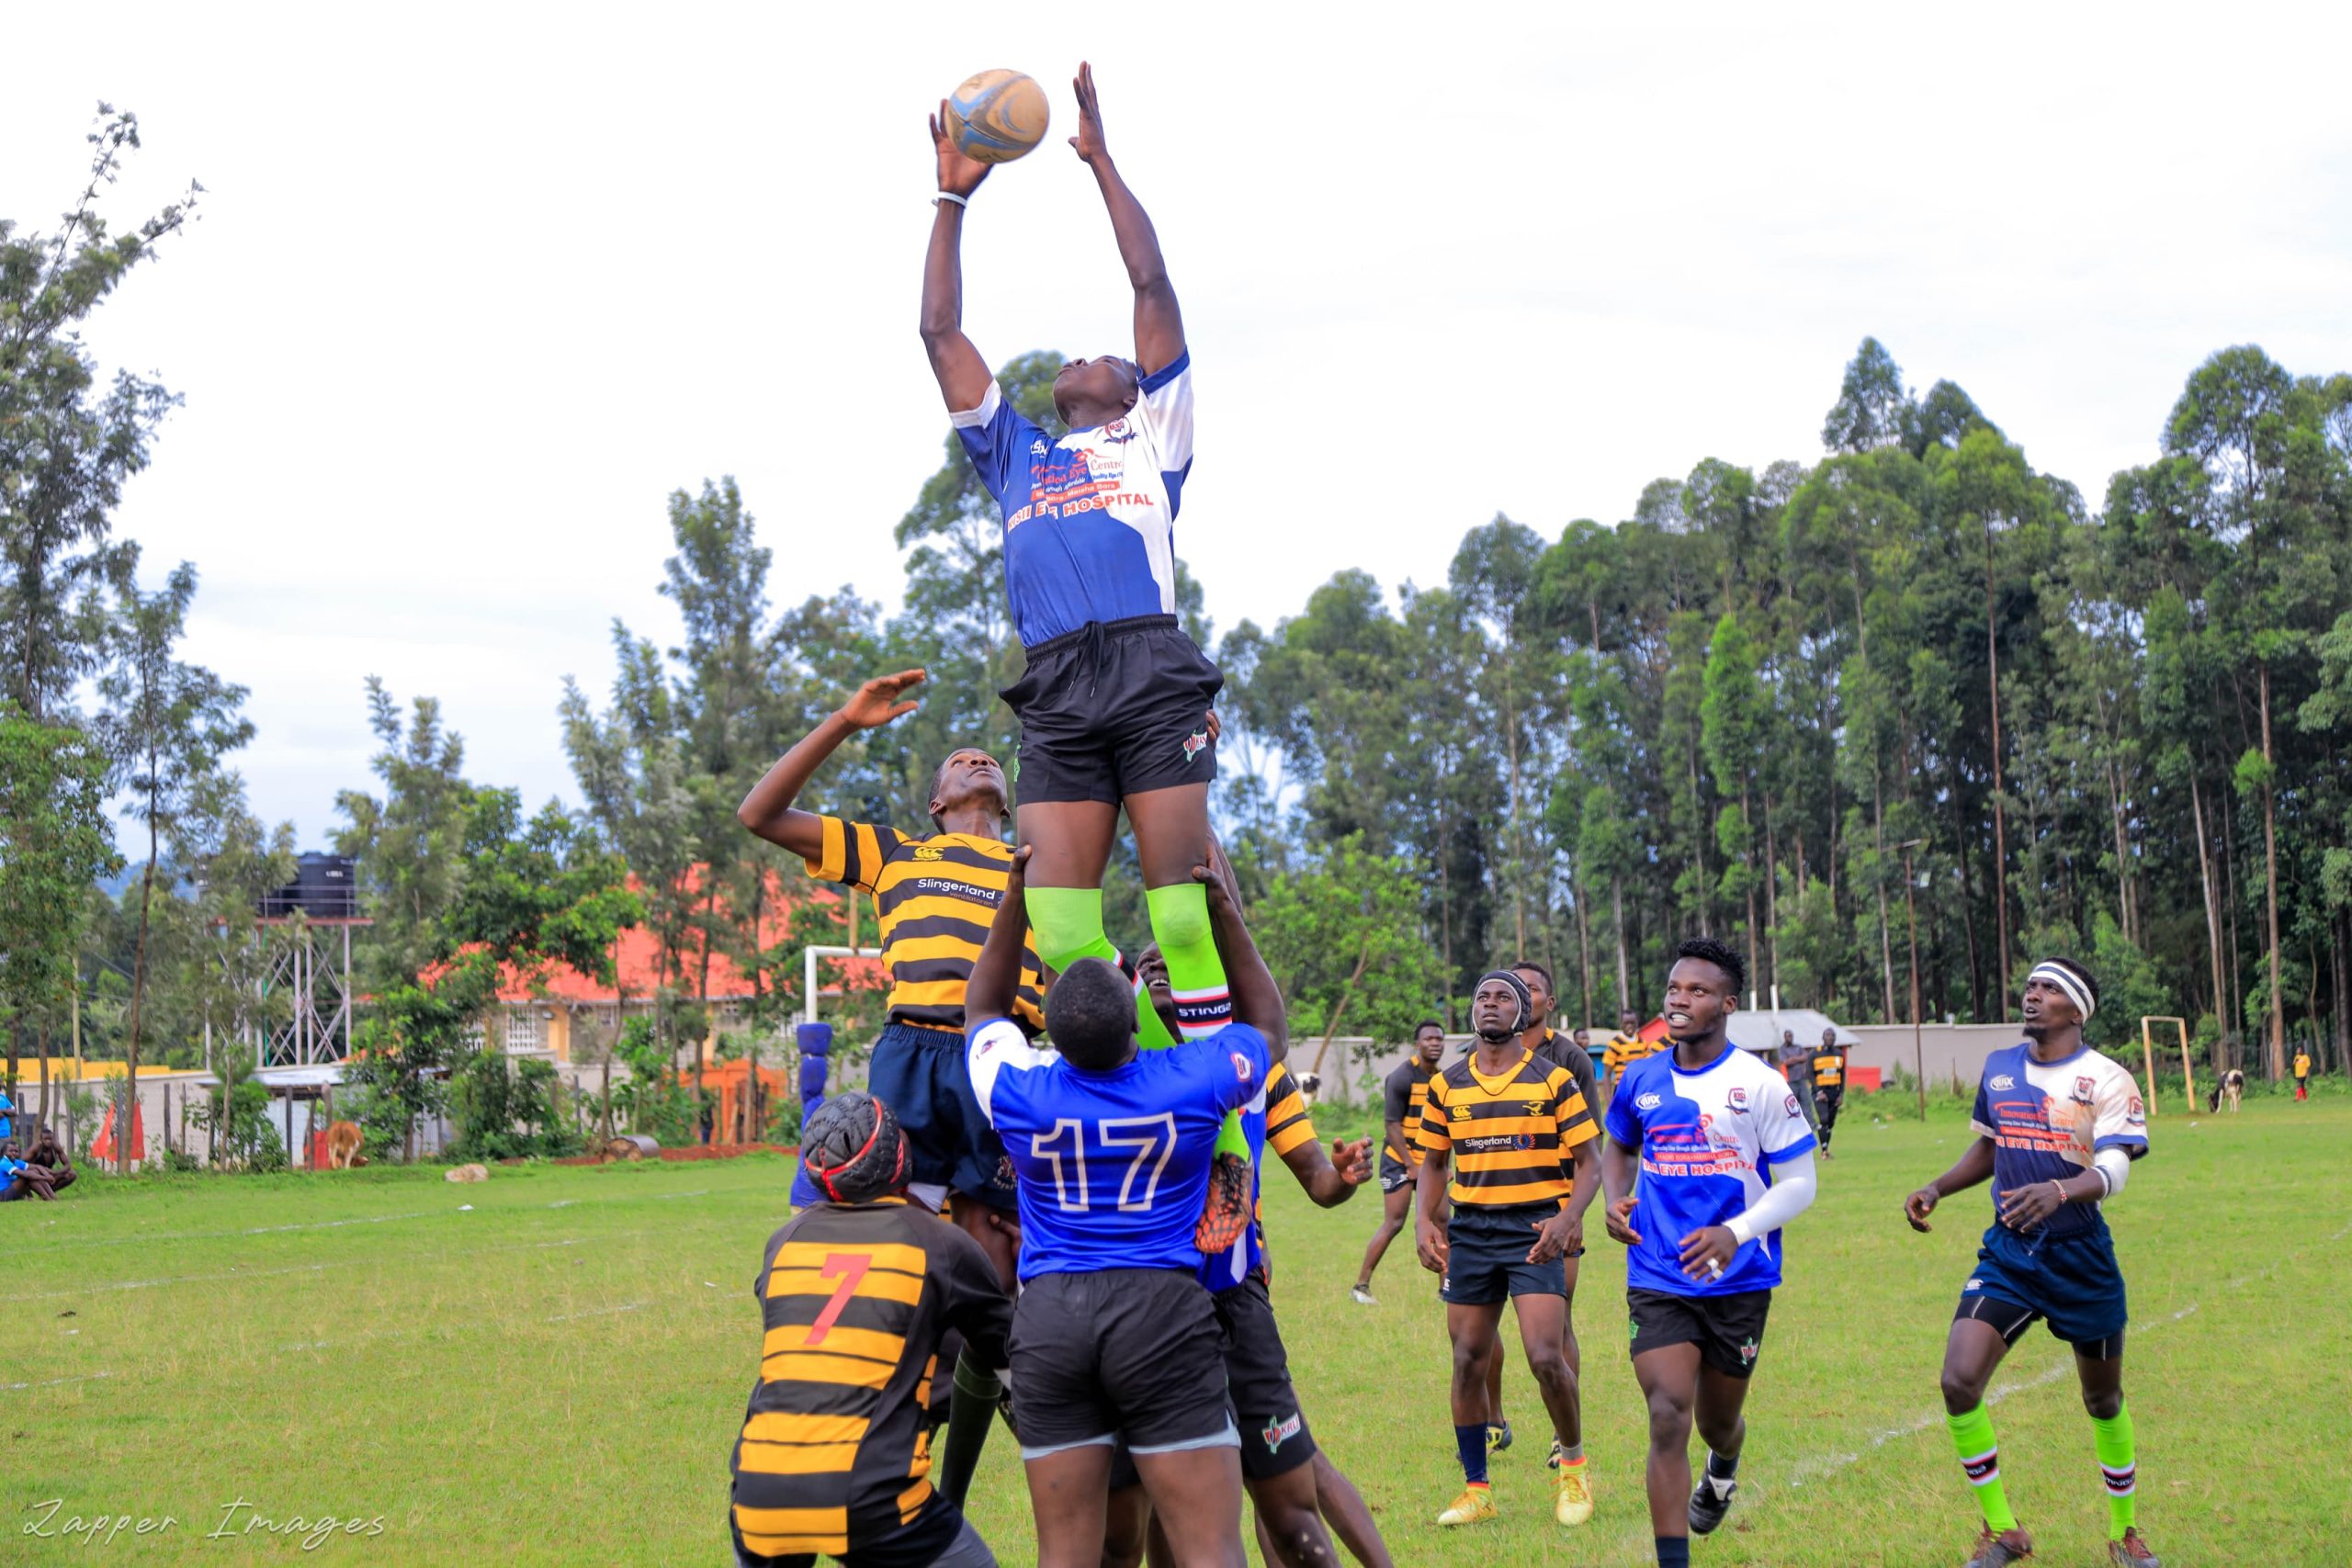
1354 1160
1918 1206
958 175
1088 144
878 701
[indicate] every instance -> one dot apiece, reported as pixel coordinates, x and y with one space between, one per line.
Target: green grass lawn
556 1374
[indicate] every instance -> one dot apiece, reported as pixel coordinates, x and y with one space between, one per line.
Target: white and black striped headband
2066 980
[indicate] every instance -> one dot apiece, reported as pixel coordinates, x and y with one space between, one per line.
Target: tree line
1791 707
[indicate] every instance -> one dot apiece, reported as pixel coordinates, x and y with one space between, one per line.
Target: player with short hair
1724 1160
1550 1045
1329 1179
2058 1126
857 1293
1113 1337
1506 1127
1402 1093
1828 1087
1626 1049
1114 689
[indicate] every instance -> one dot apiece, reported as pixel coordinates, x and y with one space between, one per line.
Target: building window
526 1030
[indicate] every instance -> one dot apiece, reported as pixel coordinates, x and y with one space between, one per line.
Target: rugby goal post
809 973
2148 1056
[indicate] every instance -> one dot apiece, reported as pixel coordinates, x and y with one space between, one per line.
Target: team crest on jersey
1649 1101
1792 1107
1278 1432
1117 433
1195 743
2002 1081
2135 1113
1241 1068
2082 1092
1738 1098
1538 1106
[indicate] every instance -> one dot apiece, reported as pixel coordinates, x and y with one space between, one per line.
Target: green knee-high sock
1180 923
1980 1456
2118 1463
1069 924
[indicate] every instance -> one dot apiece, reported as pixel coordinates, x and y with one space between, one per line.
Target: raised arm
1159 325
1256 1000
996 974
963 375
769 811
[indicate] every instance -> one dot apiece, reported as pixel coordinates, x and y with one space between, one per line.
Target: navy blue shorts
920 1074
1487 1254
2071 1282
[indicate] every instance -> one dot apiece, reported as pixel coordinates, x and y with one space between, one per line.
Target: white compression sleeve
1790 1195
2115 1165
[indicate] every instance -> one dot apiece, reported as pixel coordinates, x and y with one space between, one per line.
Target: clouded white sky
475 287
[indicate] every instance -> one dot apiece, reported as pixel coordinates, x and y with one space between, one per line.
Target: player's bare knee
2104 1404
1963 1390
1669 1416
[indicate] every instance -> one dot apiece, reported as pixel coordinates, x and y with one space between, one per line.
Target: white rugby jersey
1708 1142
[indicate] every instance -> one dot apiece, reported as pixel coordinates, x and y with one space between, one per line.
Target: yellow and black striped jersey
1402 1095
1287 1125
1510 1137
936 897
1622 1051
835 1451
1829 1069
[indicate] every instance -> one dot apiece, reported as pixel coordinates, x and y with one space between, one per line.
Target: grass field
556 1374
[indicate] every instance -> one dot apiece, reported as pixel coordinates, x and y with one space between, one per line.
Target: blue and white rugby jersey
1708 1142
2048 1119
1114 1167
1089 521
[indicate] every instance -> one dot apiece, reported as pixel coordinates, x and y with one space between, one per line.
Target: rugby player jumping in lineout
1111 700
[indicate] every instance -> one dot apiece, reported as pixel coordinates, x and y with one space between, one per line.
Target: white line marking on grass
1820 1465
53 1383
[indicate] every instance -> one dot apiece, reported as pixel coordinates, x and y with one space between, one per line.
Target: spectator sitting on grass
39 1174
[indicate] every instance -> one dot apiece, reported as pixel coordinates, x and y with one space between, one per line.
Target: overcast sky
475 288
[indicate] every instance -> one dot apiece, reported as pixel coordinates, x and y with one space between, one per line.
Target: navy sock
1472 1441
1722 1472
1673 1550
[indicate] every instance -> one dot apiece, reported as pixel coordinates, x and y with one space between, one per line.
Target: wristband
949 196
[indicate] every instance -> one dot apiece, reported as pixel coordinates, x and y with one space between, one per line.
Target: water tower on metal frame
323 904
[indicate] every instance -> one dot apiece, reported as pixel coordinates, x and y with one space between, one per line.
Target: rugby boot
1709 1505
1475 1505
2132 1551
1498 1436
1572 1493
2012 1545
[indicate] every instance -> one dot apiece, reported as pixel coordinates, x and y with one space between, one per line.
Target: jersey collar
1674 1063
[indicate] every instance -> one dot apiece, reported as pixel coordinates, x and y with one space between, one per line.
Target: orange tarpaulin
102 1146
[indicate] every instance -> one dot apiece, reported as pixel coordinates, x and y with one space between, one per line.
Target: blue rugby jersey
1114 1167
2048 1119
1708 1142
1089 521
